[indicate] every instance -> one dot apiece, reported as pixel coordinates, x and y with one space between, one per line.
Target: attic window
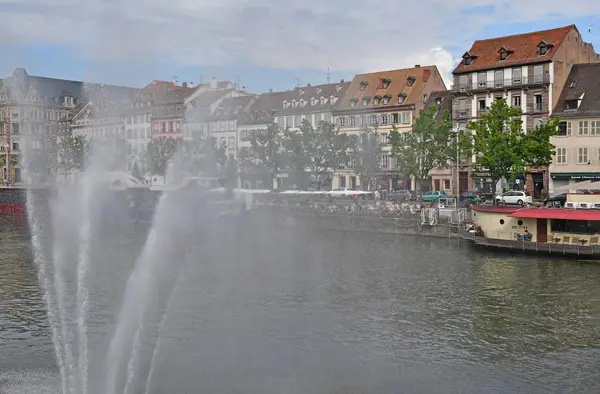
353 102
386 99
385 83
365 101
319 90
503 55
363 85
285 104
313 101
376 100
468 60
410 81
571 104
338 88
301 92
572 84
543 50
401 98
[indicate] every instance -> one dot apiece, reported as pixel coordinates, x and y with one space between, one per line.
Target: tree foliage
365 155
427 146
315 152
73 152
265 155
502 148
159 153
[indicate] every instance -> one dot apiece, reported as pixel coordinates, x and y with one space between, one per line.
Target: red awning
557 213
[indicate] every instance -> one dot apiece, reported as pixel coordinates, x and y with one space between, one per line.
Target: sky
265 44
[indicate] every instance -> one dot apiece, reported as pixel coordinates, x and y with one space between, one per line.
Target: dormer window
294 103
313 101
338 88
572 84
571 104
401 98
376 100
69 101
386 99
503 55
301 92
385 83
353 102
323 100
544 47
468 58
366 101
285 104
363 86
543 50
319 90
410 81
468 61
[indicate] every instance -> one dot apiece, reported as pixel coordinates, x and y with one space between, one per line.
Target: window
410 81
383 138
373 119
384 161
365 101
538 102
384 119
570 104
481 104
499 78
351 121
482 80
583 127
385 83
376 100
582 155
353 103
468 60
231 142
564 129
363 86
462 107
595 127
405 117
342 121
386 100
537 122
516 101
561 155
401 98
395 118
537 74
543 50
503 55
462 82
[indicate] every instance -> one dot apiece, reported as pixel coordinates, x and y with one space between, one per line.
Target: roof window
353 102
544 47
385 83
410 81
363 85
386 99
468 58
401 98
571 104
366 101
376 100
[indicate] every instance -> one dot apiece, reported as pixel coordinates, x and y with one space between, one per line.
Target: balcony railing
500 84
535 107
461 113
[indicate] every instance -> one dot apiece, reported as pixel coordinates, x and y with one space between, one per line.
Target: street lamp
456 130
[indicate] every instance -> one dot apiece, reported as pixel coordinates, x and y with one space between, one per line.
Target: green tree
314 153
159 154
73 151
501 147
265 155
427 146
364 156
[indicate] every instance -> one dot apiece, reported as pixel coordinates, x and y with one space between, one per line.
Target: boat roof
557 214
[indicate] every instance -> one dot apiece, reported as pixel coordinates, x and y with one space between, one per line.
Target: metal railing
499 84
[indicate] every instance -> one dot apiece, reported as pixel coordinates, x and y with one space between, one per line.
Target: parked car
400 195
470 197
514 198
433 195
561 198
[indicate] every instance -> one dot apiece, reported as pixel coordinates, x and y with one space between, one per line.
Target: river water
287 310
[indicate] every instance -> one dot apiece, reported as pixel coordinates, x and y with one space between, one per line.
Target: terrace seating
575 240
593 241
566 240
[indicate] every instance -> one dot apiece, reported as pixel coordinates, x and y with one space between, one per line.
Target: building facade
31 109
378 102
528 71
578 142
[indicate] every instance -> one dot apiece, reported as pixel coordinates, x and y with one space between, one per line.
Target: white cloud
343 35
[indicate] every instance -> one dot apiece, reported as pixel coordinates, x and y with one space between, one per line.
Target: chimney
184 84
213 83
191 84
426 74
417 65
270 90
342 80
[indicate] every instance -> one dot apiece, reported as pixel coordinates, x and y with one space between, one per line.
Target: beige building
379 102
578 143
528 71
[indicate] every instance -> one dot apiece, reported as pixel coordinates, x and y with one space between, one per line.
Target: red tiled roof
525 47
557 213
397 86
494 209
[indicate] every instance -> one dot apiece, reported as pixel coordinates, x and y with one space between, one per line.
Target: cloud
343 35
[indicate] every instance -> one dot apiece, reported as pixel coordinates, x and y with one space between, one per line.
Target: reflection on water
293 311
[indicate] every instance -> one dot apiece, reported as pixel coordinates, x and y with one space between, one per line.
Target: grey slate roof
442 99
583 80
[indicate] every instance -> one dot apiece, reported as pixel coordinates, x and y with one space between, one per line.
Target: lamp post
456 130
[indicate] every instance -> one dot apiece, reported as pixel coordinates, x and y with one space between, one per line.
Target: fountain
63 239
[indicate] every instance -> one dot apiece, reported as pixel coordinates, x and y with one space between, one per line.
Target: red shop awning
557 213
